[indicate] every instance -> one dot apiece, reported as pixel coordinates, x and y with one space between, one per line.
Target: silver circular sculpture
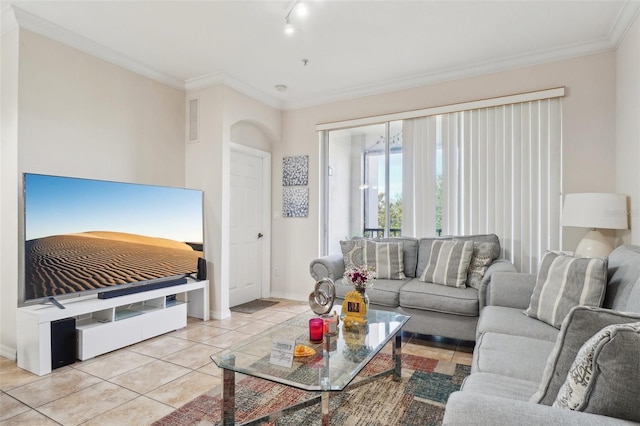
322 297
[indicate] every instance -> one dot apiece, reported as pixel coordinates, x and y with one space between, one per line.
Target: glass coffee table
337 361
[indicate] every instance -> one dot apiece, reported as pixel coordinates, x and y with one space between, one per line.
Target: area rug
253 306
418 399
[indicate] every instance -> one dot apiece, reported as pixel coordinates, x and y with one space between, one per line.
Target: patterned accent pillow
603 378
480 261
352 252
565 282
387 258
448 263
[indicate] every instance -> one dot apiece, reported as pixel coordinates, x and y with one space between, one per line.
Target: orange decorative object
302 350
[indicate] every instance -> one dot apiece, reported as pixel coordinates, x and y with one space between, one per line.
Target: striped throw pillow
386 258
448 263
564 282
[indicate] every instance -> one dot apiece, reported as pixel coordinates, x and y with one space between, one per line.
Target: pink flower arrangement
361 277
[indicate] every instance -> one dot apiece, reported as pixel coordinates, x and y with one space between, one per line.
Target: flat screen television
85 236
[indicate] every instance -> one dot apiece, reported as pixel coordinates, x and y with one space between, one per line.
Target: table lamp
595 210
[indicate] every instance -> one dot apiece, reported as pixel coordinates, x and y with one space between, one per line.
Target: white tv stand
104 325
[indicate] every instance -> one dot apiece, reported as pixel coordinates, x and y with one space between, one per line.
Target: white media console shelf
104 325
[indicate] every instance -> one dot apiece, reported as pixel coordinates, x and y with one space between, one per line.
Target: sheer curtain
501 173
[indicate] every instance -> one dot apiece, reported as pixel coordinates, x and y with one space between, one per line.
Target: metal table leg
229 395
397 357
325 380
325 408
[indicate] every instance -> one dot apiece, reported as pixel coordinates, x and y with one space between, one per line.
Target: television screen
84 235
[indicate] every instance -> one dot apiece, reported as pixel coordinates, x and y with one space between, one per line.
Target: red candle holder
316 326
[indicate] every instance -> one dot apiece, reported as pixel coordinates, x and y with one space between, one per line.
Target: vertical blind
418 181
501 173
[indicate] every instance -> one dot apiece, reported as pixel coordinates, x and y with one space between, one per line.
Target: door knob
260 235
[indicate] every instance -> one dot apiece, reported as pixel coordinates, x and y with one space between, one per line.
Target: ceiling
353 48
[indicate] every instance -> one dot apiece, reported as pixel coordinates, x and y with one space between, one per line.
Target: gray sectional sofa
434 309
520 363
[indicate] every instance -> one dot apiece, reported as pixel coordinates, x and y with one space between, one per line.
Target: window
488 170
489 166
363 183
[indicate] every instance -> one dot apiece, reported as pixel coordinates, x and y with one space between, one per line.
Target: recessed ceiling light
281 87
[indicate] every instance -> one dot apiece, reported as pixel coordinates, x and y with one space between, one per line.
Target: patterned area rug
418 399
253 306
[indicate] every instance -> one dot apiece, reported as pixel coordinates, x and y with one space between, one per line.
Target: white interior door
246 233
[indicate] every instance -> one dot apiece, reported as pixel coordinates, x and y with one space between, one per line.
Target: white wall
588 138
221 110
80 116
9 193
628 128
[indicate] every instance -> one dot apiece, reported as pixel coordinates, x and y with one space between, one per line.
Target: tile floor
139 384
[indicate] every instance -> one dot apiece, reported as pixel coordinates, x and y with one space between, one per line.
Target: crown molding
214 79
55 32
13 16
455 73
8 19
625 19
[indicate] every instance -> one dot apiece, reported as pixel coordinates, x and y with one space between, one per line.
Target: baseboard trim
9 352
218 315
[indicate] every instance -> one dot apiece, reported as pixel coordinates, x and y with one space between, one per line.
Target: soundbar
140 288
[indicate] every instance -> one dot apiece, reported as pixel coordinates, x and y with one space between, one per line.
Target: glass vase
365 296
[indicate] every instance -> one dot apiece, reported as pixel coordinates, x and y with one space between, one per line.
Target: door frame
265 267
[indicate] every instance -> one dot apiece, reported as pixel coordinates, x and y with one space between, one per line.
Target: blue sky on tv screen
60 205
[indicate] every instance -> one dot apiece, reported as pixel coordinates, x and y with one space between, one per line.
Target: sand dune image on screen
63 264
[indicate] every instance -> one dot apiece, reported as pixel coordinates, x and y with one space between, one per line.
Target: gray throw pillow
386 258
448 263
352 252
603 378
482 238
579 325
565 282
480 261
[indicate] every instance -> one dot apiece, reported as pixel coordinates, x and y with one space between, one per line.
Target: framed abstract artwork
295 202
295 171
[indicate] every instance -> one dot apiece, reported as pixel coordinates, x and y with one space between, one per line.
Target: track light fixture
301 12
288 28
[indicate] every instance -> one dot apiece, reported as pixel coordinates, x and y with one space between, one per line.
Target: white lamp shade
595 210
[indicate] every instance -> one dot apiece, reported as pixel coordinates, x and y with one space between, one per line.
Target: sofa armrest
500 265
331 266
471 408
510 289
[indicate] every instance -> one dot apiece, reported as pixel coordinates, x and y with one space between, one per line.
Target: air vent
193 120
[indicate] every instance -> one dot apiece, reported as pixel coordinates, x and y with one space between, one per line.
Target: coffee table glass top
348 352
